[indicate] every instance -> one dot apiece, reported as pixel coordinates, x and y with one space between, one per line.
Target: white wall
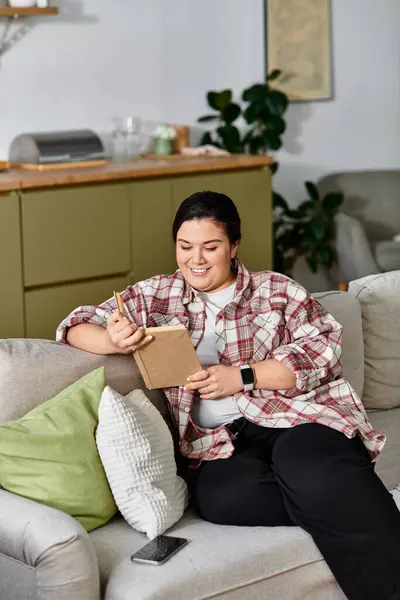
156 58
360 127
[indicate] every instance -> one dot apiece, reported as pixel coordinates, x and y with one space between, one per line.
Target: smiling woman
207 234
270 400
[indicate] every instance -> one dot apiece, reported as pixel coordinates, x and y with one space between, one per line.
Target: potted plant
309 229
163 137
263 111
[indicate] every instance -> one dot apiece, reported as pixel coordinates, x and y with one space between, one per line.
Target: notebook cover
169 359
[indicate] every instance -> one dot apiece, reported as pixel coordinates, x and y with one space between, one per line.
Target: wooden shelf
10 11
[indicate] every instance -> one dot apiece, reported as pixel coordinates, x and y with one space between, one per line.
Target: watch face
247 376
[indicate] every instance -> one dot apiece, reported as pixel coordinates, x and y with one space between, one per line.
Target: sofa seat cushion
218 562
388 462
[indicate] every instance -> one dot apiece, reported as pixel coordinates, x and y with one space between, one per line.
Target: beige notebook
169 359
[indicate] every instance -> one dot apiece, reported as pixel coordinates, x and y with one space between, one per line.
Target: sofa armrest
53 544
353 250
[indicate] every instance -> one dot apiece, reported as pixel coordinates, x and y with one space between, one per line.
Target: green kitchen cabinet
151 224
251 192
70 245
11 284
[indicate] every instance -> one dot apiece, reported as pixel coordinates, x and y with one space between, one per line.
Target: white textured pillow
137 452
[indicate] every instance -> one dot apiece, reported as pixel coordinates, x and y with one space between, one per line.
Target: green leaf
207 118
247 137
332 202
306 206
252 112
231 113
312 190
230 137
274 167
284 240
273 141
307 242
312 263
273 123
279 260
212 100
275 73
279 201
277 102
206 139
223 99
257 143
319 228
255 93
325 256
295 213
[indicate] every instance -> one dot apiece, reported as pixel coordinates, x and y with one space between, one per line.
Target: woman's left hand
215 383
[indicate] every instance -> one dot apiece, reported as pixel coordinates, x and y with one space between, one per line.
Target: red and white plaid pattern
271 316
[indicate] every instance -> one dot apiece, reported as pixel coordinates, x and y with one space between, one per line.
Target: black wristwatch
248 378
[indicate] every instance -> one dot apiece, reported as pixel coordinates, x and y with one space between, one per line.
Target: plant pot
22 3
162 146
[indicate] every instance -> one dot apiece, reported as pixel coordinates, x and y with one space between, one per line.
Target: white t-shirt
213 413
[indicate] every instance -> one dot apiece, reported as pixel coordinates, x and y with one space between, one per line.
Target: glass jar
126 138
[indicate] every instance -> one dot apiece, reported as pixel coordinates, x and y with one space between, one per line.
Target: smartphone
159 550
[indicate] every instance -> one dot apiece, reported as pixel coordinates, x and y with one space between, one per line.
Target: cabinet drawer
75 233
46 308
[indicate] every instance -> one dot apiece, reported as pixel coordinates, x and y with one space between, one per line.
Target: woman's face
203 254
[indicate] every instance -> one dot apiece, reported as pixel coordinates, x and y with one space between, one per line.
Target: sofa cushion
137 452
219 562
347 311
50 455
32 371
379 297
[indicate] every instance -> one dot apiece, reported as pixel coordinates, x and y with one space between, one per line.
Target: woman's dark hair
210 205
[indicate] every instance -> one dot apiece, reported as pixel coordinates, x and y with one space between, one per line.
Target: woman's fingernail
188 379
184 387
150 337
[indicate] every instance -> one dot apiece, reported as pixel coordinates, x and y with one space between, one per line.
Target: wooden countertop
140 168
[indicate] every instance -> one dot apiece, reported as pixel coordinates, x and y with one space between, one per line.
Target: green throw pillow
50 454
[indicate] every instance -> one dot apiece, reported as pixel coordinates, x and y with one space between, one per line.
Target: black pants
314 477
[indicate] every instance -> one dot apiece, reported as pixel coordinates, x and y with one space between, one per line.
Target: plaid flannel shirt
271 316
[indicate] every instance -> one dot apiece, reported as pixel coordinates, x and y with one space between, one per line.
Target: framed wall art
298 41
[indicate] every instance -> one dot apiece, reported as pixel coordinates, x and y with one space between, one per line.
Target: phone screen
159 549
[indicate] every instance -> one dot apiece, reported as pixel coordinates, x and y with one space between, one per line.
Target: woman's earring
234 263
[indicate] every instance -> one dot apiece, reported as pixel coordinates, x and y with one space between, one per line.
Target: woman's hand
124 335
216 382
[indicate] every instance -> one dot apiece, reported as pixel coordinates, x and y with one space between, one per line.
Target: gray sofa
365 227
367 223
46 555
